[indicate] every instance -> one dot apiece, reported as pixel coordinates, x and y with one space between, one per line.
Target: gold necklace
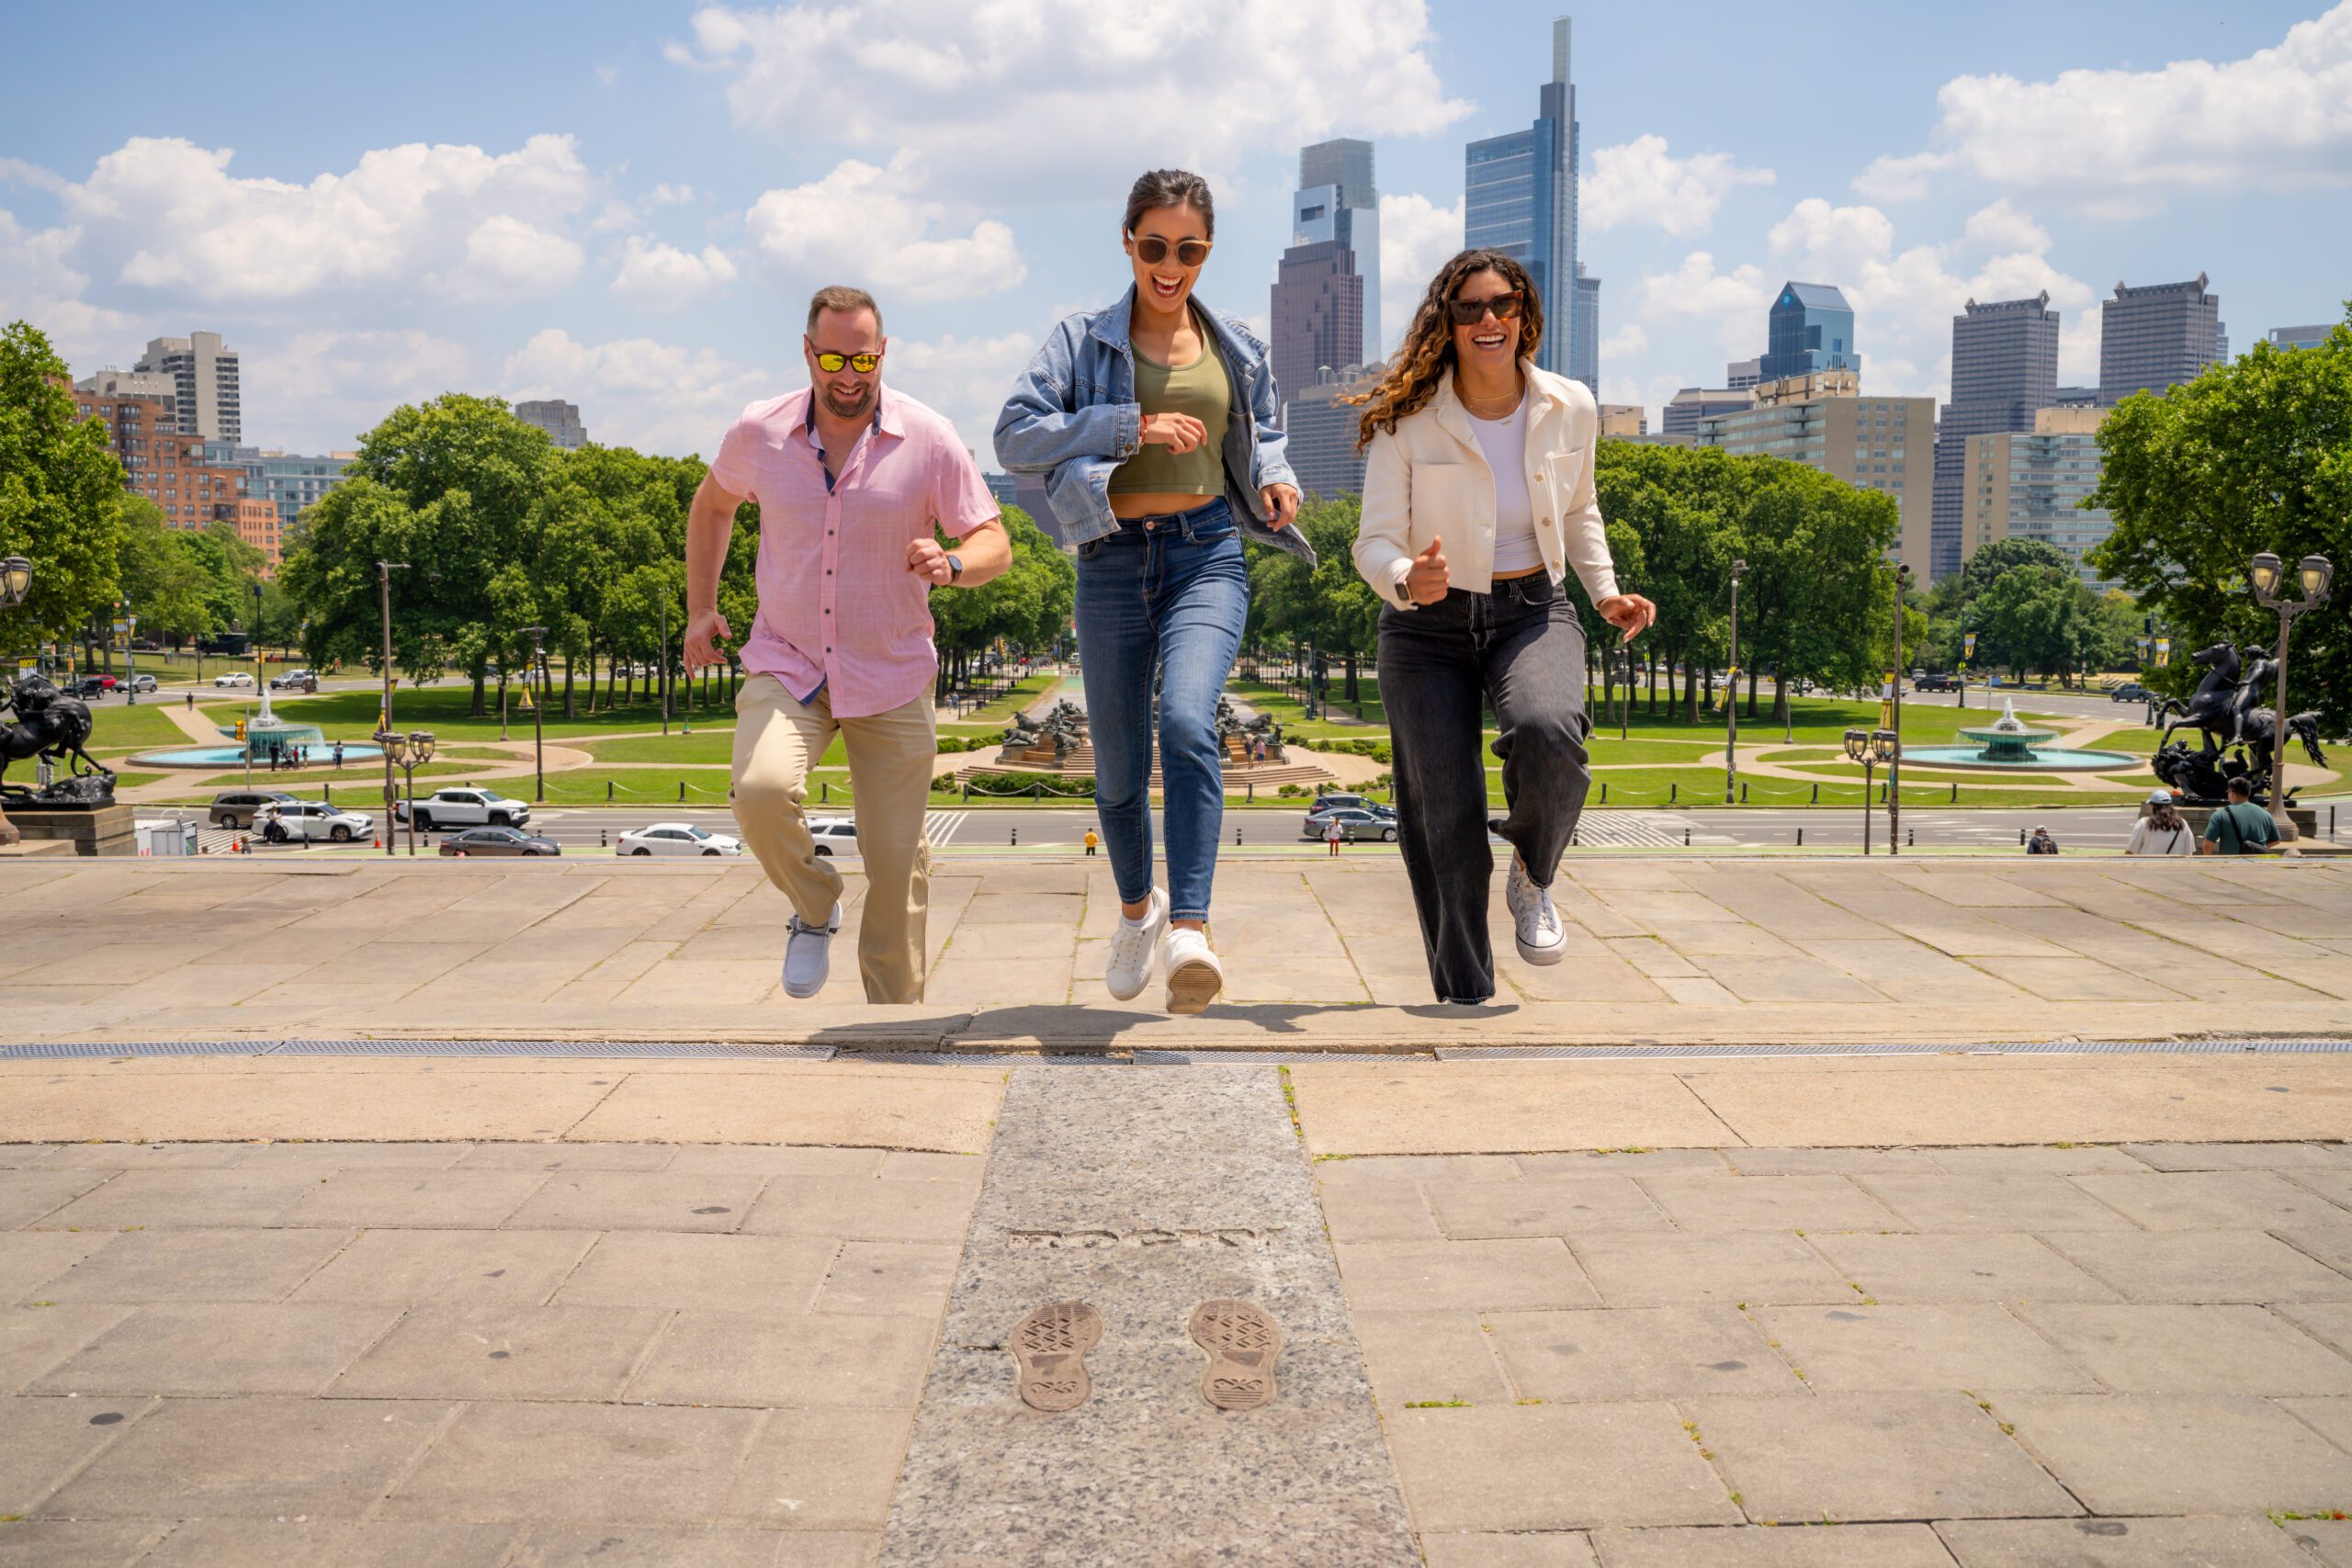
1489 411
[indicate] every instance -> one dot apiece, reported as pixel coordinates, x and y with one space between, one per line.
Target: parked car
233 678
678 838
141 684
1337 800
1935 681
834 835
309 821
2129 692
295 681
92 686
238 807
1354 824
464 806
497 842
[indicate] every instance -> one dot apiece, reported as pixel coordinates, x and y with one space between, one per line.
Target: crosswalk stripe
941 827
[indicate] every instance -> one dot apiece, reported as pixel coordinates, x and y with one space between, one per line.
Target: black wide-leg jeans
1521 648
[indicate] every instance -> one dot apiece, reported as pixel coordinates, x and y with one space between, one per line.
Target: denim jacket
1073 416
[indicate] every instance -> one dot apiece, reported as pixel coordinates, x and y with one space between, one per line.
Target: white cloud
1733 302
608 74
979 90
2279 120
165 213
866 225
638 392
616 215
965 378
506 258
1889 178
1641 182
40 284
1417 237
318 390
1624 343
667 195
663 278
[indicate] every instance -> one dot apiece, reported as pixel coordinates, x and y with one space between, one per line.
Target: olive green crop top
1201 389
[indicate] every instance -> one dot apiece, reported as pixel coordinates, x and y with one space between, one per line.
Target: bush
944 784
1026 784
1291 789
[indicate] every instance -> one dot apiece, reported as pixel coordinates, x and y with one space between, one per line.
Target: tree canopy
61 494
2252 455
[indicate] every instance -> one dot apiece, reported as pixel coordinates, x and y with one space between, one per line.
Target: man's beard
853 408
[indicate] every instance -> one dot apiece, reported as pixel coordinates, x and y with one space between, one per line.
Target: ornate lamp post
1869 748
15 582
2314 573
1893 757
408 752
539 708
1730 690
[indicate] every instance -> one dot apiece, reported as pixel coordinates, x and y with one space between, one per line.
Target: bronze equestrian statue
54 726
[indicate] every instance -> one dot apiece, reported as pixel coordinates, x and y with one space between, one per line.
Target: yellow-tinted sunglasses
863 363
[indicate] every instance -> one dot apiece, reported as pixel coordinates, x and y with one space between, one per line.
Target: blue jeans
1162 599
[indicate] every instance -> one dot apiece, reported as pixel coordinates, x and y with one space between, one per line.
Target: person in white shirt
1477 500
2162 832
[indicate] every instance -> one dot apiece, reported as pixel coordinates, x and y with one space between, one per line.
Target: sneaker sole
1242 1342
1541 956
1049 1347
1141 981
1193 987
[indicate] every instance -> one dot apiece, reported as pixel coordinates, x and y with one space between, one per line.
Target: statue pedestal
104 830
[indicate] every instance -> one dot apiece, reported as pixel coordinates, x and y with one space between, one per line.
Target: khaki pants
778 741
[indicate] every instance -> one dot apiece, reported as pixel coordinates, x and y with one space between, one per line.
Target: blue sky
628 203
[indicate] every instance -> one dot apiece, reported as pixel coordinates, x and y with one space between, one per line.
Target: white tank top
1504 441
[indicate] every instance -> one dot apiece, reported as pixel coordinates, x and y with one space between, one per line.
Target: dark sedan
498 841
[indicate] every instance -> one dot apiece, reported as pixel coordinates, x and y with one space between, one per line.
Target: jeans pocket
1089 549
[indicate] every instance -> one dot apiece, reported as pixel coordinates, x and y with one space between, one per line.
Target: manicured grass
115 726
360 784
445 710
702 745
1023 695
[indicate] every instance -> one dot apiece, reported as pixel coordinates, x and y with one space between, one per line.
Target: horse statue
2213 709
52 727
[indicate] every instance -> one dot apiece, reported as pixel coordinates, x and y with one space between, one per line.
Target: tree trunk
1751 692
568 671
1352 693
481 700
1780 699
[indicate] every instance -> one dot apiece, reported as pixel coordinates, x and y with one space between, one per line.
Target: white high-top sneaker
1134 947
1536 924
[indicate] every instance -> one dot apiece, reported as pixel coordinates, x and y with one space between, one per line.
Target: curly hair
1427 354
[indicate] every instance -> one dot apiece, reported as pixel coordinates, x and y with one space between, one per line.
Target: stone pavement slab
1788 1546
2155 1454
1547 1467
2121 1543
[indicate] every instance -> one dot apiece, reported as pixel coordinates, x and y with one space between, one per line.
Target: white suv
310 821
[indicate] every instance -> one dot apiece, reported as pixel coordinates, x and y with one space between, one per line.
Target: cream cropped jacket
1427 479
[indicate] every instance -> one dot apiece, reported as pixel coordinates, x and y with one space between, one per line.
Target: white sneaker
808 955
1134 948
1195 976
1535 923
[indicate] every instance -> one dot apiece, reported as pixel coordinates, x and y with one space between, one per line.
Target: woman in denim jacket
1155 421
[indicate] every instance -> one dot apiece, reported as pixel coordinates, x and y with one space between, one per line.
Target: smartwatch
1405 592
955 567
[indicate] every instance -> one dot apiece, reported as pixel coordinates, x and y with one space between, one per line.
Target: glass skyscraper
1336 202
1520 194
1809 328
2003 371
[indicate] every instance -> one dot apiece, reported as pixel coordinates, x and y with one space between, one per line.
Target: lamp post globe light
1858 748
2313 574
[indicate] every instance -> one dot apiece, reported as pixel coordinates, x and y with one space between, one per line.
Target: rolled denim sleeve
1273 446
1038 430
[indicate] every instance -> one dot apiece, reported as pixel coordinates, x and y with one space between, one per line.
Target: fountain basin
323 755
2044 760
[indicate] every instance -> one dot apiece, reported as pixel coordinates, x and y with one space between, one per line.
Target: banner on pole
2163 651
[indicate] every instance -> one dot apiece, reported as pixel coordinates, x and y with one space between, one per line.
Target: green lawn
117 726
1023 696
443 710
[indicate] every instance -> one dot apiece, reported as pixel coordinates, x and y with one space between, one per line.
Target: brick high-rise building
2003 369
2156 336
1322 432
560 419
1318 320
1692 404
204 371
1337 200
1823 421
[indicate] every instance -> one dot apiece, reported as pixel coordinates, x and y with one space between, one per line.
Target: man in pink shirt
854 483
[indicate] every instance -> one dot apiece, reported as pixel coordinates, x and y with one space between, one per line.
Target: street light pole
15 582
384 569
1731 690
1895 763
130 655
539 708
2314 573
662 664
1858 747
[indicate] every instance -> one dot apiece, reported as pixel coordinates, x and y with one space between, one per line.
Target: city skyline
633 224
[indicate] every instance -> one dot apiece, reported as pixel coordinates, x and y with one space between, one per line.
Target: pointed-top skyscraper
1521 199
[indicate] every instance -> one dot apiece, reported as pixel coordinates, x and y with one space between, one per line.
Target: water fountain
2010 742
268 737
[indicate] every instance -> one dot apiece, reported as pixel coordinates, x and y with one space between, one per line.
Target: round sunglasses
863 363
1154 250
1470 312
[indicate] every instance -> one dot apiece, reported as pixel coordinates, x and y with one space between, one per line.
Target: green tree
1029 606
60 495
161 575
2252 455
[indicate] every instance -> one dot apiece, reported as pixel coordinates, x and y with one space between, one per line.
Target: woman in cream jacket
1477 500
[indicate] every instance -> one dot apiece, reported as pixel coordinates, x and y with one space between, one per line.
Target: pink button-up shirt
838 610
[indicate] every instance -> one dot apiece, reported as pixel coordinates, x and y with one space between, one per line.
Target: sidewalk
1320 954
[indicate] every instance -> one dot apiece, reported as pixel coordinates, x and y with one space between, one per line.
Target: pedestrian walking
1157 423
191 699
2042 843
1334 835
853 481
338 754
1091 841
1479 500
2241 827
2162 832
